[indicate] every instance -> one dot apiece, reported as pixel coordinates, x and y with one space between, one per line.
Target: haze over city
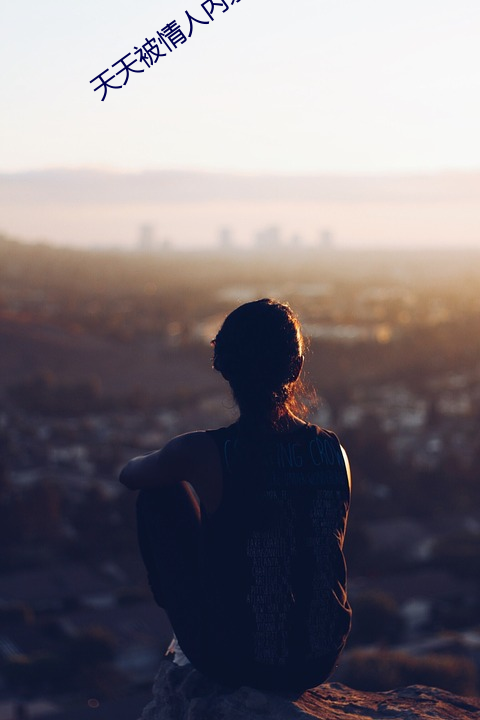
329 151
355 119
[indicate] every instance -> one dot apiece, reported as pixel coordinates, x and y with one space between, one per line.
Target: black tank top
274 570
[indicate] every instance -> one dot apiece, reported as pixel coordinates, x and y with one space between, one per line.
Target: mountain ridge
86 185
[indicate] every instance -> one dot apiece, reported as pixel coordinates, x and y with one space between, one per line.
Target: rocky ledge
182 693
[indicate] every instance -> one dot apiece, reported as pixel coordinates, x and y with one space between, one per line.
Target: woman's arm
157 469
191 458
140 472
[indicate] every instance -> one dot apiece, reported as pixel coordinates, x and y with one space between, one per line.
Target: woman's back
253 578
275 581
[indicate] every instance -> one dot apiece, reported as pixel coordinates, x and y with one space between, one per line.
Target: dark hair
259 350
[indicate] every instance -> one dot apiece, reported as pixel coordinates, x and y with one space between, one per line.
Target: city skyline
330 88
377 94
92 209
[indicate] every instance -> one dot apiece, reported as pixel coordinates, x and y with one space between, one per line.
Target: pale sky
311 86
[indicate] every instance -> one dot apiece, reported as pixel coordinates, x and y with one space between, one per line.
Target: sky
345 87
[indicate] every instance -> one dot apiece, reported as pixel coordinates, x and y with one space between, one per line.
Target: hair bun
259 350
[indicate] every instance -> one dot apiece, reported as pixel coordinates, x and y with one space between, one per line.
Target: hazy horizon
358 123
332 88
93 208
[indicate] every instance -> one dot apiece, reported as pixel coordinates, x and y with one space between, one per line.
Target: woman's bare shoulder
184 456
194 458
193 454
189 445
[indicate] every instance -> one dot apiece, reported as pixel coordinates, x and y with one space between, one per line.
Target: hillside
30 346
106 355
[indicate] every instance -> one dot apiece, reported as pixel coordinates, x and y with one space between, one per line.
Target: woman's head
259 350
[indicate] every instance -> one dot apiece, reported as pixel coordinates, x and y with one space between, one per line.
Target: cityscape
325 155
267 239
106 355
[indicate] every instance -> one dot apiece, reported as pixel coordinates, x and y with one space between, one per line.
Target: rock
182 693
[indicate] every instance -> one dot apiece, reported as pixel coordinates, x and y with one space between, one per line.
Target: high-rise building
268 239
225 238
326 239
296 241
146 238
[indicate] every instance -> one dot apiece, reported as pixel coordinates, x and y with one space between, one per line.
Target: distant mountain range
95 186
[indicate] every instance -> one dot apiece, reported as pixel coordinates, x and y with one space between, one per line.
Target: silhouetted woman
251 573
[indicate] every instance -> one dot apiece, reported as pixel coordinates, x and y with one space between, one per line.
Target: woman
250 566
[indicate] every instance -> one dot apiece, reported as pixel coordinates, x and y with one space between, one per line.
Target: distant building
225 238
326 239
146 239
165 244
268 239
296 241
